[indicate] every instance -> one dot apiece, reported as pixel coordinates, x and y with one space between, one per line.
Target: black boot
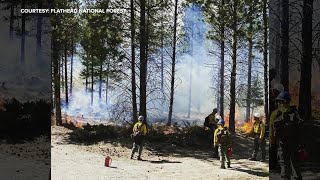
229 165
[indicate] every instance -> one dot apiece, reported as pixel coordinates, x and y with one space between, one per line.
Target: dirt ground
29 160
76 162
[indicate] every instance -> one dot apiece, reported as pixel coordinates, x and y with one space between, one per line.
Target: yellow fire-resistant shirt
140 126
272 119
258 129
215 137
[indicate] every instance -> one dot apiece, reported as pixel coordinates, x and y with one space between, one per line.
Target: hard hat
221 122
284 96
279 87
257 115
141 118
218 117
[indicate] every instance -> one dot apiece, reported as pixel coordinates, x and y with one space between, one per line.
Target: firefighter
285 124
274 92
138 136
258 132
222 140
210 123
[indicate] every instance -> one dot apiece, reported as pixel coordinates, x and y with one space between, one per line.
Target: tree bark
173 62
56 74
265 59
143 61
71 66
285 45
66 71
222 47
233 70
100 78
306 59
91 79
107 82
87 75
133 65
248 100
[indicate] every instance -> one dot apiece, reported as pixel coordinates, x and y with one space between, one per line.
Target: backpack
223 136
287 124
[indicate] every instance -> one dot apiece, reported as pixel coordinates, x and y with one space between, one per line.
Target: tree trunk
23 33
306 59
173 62
11 20
265 59
222 46
66 71
87 75
56 75
100 79
143 61
71 66
91 79
133 65
162 58
285 45
233 71
278 38
248 100
107 83
39 29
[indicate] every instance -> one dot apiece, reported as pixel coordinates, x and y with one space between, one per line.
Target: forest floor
29 160
73 161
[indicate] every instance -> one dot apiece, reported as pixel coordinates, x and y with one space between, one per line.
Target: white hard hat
279 87
141 118
257 115
218 117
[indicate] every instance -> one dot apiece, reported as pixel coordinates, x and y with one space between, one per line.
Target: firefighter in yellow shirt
285 126
139 133
222 140
258 132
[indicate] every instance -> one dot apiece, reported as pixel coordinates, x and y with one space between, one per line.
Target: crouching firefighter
258 132
222 140
285 124
138 136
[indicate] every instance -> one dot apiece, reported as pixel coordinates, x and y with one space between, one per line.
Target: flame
236 115
75 121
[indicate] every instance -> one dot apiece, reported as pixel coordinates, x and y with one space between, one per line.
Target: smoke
191 70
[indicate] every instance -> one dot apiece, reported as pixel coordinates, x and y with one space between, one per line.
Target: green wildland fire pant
223 153
262 145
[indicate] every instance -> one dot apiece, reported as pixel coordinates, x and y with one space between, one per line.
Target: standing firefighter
258 132
211 124
275 90
284 132
138 136
222 140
